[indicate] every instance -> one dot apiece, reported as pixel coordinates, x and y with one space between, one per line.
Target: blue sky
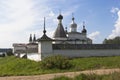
20 18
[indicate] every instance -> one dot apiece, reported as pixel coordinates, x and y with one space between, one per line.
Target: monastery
67 43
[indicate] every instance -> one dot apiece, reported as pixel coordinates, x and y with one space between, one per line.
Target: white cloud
114 10
51 14
116 30
19 18
94 35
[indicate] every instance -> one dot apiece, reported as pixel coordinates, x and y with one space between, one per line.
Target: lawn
10 66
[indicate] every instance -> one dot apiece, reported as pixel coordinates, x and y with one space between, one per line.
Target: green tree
115 40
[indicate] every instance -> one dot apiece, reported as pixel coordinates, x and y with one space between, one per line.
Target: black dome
60 17
84 31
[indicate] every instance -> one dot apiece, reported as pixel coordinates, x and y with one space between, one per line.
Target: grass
16 66
10 66
113 76
96 63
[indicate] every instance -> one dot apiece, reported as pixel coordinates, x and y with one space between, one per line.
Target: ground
50 76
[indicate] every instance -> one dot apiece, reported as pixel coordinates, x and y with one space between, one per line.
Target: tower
84 31
34 39
73 26
30 38
60 32
44 44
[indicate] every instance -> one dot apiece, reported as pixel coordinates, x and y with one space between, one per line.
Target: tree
115 40
10 53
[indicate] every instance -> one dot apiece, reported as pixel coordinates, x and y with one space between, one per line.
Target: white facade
45 48
18 48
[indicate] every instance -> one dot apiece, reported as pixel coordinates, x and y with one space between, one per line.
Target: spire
73 17
60 17
84 30
44 31
30 39
34 38
44 36
60 11
66 30
83 24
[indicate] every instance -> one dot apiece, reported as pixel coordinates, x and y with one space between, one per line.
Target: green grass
16 66
10 66
96 63
113 76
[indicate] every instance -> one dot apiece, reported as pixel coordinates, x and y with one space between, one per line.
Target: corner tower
44 45
30 39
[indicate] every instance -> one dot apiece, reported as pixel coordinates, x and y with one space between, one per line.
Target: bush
9 53
57 61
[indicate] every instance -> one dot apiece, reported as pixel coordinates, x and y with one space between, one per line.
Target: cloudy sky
20 18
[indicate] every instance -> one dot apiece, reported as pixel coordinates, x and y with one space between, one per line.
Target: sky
20 18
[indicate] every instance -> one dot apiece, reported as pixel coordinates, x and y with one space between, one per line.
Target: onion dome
60 17
84 30
73 24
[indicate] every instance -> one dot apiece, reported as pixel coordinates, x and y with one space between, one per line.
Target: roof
19 45
44 38
32 44
60 33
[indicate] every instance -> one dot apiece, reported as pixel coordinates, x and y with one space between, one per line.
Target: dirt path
50 76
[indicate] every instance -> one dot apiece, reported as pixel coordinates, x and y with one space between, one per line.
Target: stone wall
85 46
87 53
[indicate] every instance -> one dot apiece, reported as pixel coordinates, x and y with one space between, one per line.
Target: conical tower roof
60 32
34 38
30 38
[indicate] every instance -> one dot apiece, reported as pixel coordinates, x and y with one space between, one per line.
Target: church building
62 36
